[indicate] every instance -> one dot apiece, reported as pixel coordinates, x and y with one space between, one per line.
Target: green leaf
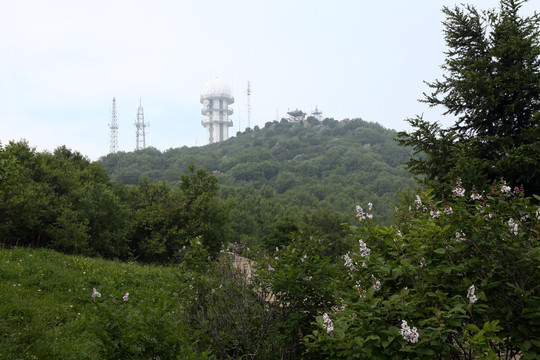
405 262
530 355
387 342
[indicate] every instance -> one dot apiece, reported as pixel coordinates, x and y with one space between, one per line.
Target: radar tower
216 98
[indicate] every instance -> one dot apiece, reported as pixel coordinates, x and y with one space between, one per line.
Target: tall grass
47 310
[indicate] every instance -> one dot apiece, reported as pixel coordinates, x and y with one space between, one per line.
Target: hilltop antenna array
248 92
140 126
113 126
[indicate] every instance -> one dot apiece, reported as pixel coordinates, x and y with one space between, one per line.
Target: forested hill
287 170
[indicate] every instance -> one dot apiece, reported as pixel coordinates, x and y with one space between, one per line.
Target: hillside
286 170
48 311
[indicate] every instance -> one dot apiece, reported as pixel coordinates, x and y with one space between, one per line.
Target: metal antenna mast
140 126
248 92
113 126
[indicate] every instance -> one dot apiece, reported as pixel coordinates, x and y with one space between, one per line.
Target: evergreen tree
492 86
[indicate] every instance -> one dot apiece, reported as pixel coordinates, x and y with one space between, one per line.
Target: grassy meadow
47 309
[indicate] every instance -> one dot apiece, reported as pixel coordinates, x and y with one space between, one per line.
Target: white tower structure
113 126
248 93
216 98
317 114
140 139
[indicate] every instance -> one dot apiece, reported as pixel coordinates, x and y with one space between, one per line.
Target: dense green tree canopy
286 170
491 85
63 201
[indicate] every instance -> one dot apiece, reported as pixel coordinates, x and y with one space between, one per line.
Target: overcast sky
62 62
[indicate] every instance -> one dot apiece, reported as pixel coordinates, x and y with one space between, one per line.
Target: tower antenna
248 92
140 126
113 126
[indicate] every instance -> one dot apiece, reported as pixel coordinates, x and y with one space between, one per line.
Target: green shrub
463 271
151 330
302 280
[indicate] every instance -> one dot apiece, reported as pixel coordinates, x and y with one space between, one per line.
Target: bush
147 331
303 284
455 278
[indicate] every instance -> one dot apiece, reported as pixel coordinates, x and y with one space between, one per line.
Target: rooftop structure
296 115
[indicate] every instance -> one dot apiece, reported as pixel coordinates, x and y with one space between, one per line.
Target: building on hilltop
216 98
299 116
317 114
296 115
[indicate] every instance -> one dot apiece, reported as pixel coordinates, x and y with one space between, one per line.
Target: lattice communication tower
113 126
140 126
248 92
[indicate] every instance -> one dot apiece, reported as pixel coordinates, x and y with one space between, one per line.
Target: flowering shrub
468 279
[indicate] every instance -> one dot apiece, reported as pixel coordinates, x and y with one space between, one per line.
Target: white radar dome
216 87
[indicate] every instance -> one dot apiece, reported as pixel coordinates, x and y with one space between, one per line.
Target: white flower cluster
364 250
418 202
376 283
513 226
505 189
460 236
537 214
349 262
328 324
459 191
435 213
411 335
361 215
470 294
448 210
